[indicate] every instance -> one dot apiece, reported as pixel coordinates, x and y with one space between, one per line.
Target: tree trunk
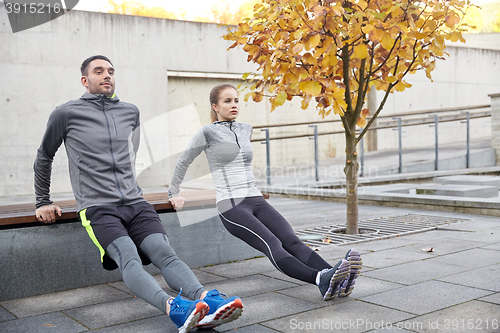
371 136
351 172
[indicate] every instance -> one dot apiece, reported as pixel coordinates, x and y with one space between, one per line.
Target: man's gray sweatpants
157 248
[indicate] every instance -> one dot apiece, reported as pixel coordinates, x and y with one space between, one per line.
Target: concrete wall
167 68
495 125
40 70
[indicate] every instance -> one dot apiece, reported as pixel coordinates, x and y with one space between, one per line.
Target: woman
242 208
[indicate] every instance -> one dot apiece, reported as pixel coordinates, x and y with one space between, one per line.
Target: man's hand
47 214
177 202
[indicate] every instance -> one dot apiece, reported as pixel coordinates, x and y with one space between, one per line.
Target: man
101 137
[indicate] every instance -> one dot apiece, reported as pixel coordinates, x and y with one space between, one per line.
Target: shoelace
178 305
216 294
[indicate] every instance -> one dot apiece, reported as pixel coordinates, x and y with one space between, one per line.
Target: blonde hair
214 98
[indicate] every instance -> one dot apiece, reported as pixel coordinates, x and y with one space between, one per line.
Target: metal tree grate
379 228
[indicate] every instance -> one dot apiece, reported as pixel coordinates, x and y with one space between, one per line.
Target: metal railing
396 122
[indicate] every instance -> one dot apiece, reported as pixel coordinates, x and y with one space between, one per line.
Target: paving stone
333 253
414 272
353 316
431 235
251 329
249 285
481 278
160 324
474 258
484 236
241 268
382 244
390 330
473 316
260 308
485 180
203 278
113 313
283 277
391 257
5 315
56 322
495 298
310 293
425 297
473 225
495 246
31 306
364 286
442 246
471 191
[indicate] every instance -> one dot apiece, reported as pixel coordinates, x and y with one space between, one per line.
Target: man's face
100 78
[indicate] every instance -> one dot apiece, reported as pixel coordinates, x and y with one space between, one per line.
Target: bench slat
25 213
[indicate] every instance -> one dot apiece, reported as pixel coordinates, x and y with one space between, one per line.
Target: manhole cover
380 228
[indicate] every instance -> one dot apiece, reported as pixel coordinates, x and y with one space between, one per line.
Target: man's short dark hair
85 64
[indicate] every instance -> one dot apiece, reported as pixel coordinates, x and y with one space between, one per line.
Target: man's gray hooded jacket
101 136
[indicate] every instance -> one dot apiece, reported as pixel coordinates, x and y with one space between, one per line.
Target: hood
91 97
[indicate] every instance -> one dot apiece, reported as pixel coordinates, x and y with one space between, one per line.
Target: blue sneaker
331 279
356 264
222 309
186 314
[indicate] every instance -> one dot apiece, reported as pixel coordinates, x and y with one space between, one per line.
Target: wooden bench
20 215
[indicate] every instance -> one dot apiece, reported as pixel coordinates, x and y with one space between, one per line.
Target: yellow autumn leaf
313 42
361 122
281 98
247 96
297 48
452 20
400 86
387 41
455 36
304 104
360 51
257 97
391 79
377 35
338 110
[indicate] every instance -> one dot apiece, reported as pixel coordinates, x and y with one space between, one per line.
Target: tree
333 52
135 7
496 22
224 13
475 19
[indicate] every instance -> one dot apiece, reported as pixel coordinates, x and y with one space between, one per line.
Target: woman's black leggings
258 224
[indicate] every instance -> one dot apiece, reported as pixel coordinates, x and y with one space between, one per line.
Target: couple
101 136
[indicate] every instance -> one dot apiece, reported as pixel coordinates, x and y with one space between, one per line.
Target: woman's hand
177 202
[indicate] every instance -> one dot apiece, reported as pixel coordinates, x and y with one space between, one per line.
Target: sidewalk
455 288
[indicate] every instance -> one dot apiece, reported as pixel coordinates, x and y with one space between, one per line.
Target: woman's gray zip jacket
229 153
101 136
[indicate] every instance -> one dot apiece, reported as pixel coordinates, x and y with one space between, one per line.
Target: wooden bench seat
24 214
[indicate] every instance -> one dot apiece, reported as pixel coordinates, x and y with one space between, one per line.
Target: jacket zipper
231 129
111 150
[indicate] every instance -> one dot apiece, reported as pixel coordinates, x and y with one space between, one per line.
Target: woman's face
228 106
